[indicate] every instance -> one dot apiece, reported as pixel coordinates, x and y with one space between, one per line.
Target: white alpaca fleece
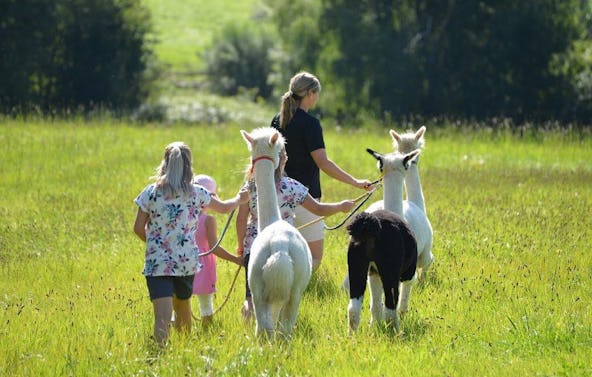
353 313
394 166
278 275
280 265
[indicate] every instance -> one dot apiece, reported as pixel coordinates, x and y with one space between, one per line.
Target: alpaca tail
278 276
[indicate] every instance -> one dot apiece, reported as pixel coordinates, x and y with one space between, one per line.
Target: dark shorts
180 287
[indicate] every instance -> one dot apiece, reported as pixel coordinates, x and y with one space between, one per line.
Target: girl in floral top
167 221
291 194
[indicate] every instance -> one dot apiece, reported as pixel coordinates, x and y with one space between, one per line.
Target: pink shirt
205 280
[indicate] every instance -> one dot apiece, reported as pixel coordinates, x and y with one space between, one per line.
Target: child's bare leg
183 314
163 308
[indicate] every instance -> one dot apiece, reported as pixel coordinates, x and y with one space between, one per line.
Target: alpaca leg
345 284
392 319
263 318
424 262
288 315
404 296
424 270
353 312
376 292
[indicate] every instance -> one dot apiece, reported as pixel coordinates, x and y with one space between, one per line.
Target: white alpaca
394 167
406 143
280 265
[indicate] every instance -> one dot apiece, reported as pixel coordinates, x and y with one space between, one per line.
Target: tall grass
508 294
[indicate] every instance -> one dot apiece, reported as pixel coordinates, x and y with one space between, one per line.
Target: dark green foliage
240 59
525 60
62 55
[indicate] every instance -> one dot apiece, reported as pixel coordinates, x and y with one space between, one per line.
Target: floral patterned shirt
291 194
171 249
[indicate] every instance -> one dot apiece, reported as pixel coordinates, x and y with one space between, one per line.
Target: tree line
526 60
73 55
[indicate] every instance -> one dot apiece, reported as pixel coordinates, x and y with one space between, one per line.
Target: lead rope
237 271
365 196
368 195
227 296
221 236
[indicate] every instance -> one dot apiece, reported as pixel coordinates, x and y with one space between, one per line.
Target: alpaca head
396 162
364 228
408 141
264 143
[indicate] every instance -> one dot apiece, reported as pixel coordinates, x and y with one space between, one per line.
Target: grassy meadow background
509 292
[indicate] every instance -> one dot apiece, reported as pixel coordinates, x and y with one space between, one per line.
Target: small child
204 283
166 221
291 194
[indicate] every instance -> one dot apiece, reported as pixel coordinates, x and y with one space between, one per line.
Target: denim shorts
180 287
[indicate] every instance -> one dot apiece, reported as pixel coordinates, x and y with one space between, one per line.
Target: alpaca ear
376 155
274 138
395 136
247 137
419 134
410 157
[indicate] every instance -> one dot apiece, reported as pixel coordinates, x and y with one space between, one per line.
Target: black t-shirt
303 135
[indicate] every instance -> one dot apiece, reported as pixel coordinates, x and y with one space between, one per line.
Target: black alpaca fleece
384 238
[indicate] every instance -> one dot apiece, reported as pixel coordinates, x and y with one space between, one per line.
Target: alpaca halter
259 159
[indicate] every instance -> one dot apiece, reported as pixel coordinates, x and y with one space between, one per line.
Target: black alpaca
381 243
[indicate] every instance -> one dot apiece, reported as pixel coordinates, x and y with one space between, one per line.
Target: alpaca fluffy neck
413 186
268 210
393 193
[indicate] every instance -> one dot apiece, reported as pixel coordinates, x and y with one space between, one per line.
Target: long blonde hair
175 172
300 85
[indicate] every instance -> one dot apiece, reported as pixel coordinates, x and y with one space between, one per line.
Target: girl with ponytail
307 154
167 220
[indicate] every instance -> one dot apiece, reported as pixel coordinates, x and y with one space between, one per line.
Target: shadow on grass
321 286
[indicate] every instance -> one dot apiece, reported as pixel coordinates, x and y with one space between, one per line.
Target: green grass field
509 292
184 29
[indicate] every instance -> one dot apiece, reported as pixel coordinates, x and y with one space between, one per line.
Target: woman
307 154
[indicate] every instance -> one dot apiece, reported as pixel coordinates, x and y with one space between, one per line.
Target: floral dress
291 194
171 249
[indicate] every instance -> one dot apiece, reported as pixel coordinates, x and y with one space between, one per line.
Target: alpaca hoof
392 318
247 311
402 313
354 322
